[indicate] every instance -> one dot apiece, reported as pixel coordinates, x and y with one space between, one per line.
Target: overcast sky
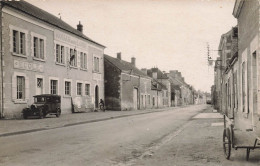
168 34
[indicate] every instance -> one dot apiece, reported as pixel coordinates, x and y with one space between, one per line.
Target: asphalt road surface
147 139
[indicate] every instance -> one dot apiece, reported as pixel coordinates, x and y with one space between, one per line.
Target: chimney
80 27
118 55
133 61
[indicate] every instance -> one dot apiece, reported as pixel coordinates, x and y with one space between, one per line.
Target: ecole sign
60 36
28 66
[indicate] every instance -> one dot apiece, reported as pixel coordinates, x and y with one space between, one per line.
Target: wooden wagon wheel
226 143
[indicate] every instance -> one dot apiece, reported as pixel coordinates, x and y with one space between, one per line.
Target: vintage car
43 105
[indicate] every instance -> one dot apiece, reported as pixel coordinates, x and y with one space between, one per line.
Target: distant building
128 88
43 54
162 78
186 93
226 72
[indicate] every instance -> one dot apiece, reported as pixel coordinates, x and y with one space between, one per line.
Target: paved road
113 142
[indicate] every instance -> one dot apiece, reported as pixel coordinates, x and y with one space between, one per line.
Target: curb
88 121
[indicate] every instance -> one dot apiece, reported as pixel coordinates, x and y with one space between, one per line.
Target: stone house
40 54
162 78
128 88
186 94
247 14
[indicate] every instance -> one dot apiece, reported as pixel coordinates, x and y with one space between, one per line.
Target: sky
168 34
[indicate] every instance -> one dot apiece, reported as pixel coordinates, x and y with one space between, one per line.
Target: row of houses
41 54
236 87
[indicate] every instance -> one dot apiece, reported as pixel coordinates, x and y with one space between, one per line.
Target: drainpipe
157 99
139 83
2 78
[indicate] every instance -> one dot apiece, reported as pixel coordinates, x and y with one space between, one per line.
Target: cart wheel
226 143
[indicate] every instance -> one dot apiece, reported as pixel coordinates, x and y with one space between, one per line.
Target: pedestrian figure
101 105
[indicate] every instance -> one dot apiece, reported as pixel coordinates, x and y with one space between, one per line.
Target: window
96 64
83 60
149 99
79 89
67 88
19 42
87 89
60 54
39 82
20 87
54 86
38 48
73 57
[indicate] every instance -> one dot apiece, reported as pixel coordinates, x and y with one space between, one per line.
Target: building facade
128 88
41 54
162 78
247 14
186 93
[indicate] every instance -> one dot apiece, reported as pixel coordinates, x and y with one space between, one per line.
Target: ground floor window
87 89
20 87
79 89
67 88
54 86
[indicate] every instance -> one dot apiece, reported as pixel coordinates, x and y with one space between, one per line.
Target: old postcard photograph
129 82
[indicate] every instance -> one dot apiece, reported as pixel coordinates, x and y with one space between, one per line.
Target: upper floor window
83 60
60 51
38 47
96 64
19 44
73 57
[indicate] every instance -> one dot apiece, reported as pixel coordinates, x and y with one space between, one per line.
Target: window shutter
14 87
78 59
27 89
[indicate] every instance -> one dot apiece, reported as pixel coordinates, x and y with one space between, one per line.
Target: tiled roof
44 16
160 74
124 66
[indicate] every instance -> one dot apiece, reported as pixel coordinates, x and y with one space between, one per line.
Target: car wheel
58 113
41 115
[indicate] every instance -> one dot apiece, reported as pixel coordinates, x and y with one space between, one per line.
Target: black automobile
43 105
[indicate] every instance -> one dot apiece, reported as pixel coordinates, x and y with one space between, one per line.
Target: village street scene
142 83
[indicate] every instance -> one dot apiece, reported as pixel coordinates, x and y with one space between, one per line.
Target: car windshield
39 99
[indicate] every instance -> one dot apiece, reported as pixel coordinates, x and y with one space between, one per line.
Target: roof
124 66
156 85
222 39
160 74
44 16
237 8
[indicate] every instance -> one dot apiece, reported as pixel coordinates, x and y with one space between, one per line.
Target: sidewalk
21 126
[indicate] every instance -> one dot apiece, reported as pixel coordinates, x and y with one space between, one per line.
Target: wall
248 32
112 87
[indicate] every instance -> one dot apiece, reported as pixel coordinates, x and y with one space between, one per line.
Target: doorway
135 92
